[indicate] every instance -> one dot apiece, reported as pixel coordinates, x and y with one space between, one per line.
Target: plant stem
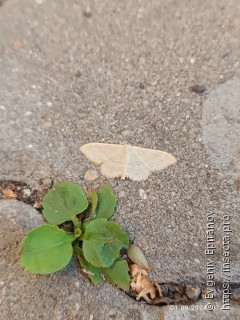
77 227
76 222
77 249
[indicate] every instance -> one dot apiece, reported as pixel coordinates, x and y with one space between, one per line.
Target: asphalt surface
74 72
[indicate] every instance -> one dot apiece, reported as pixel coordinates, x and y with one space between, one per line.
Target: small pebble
192 60
27 192
87 13
90 175
28 113
46 182
198 88
78 74
121 194
142 194
226 55
222 79
141 85
193 293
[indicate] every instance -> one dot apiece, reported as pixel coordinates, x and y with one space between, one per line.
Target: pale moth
126 161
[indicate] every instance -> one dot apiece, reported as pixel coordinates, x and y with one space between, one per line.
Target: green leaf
63 202
46 249
85 224
93 273
106 203
103 203
136 255
118 274
102 242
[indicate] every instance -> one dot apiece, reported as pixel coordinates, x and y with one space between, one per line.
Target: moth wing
154 160
101 152
113 167
135 169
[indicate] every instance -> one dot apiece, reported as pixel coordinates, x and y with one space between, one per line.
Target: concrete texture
74 72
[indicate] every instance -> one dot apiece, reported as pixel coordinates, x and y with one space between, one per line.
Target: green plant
96 240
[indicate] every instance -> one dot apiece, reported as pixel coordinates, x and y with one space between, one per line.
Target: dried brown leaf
9 194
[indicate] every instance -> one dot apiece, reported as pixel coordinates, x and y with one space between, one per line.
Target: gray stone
198 88
221 128
87 13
